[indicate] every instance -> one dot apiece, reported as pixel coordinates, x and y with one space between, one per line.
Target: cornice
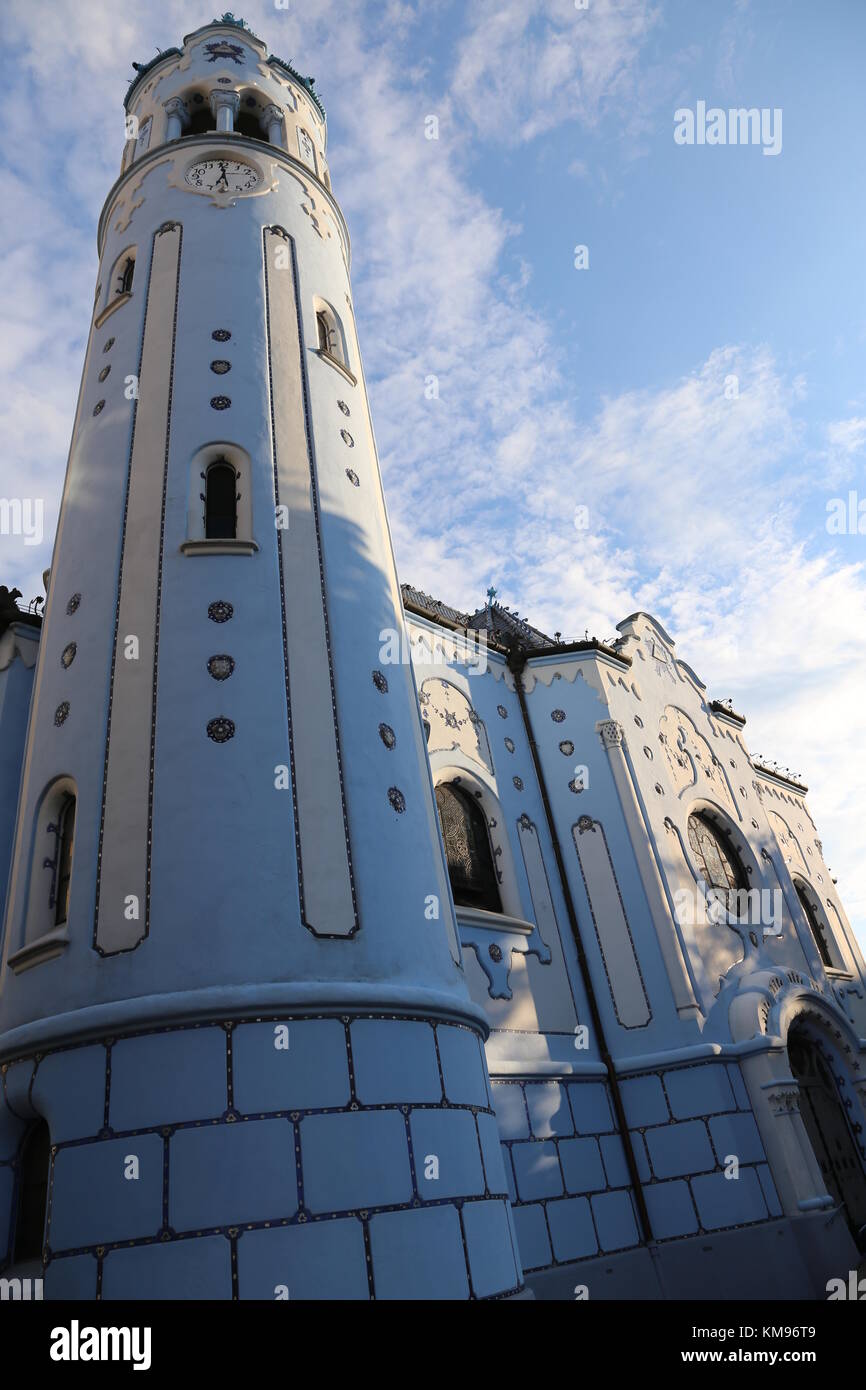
305 83
262 148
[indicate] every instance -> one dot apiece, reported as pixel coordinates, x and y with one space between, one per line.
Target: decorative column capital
176 106
220 99
271 114
611 733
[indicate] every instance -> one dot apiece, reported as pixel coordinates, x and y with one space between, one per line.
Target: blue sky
558 388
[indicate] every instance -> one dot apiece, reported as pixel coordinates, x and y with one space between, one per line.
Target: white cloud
524 66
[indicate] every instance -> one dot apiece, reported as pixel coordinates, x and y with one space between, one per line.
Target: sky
672 418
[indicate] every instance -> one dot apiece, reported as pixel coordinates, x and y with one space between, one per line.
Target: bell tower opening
827 1126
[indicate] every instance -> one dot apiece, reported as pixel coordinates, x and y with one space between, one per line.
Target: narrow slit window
324 333
65 831
32 1196
221 502
815 926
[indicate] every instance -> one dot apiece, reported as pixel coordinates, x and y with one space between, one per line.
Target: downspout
516 664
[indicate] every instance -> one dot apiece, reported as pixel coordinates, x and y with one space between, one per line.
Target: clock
222 176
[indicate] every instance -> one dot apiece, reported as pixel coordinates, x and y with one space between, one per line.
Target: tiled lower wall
566 1168
302 1170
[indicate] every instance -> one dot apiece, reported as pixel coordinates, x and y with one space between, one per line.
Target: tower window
329 333
247 123
221 502
125 276
467 849
32 1195
201 119
64 831
717 859
815 926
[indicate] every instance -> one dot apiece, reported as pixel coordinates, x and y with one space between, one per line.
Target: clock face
222 176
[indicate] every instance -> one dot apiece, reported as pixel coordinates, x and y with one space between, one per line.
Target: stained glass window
716 859
467 849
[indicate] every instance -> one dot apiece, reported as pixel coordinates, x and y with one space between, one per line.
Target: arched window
221 502
125 276
329 334
717 860
64 830
467 849
324 331
32 1195
815 926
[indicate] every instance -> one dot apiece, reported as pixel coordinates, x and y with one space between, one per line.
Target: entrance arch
826 1122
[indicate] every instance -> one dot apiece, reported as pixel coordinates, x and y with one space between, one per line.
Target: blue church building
354 946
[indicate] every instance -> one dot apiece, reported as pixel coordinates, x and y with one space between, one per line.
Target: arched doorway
824 1116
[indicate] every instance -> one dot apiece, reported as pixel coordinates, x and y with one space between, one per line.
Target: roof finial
491 595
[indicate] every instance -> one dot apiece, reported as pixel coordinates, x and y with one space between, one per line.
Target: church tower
235 1032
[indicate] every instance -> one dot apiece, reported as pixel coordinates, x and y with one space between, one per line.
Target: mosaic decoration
221 48
353 477
61 714
518 782
74 604
68 655
576 786
557 715
502 711
220 612
380 682
454 723
221 730
220 402
221 667
347 438
638 721
397 799
566 747
99 407
387 735
345 409
509 744
220 366
104 373
221 335
495 952
109 345
690 757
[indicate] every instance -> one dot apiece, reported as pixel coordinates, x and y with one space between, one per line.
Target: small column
224 106
178 118
272 123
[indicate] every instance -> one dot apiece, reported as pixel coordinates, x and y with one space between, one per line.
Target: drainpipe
517 664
